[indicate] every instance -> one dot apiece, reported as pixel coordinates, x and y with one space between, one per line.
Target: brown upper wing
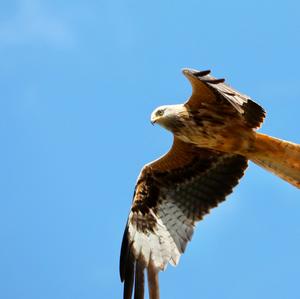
209 89
171 195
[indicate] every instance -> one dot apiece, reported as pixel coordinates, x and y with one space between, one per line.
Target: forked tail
278 156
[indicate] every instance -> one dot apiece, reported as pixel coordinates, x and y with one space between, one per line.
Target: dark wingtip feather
213 80
153 284
124 254
128 280
191 72
254 114
131 270
139 286
126 266
201 73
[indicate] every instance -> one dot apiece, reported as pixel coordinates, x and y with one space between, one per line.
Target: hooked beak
154 120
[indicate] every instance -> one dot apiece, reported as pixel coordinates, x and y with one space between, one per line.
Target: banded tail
278 156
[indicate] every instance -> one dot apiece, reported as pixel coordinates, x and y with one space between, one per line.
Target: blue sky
78 81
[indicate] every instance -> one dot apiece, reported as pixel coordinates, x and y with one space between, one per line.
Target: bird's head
168 116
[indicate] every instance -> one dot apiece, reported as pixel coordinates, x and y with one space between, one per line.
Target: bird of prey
214 137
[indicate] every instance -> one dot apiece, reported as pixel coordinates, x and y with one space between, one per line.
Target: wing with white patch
171 195
209 89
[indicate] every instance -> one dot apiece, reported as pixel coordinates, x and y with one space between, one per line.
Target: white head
168 116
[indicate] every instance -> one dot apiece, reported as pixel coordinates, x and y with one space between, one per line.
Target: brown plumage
214 136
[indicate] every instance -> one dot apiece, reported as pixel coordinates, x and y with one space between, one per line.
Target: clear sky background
78 81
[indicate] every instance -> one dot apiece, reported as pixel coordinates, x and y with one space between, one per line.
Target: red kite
214 137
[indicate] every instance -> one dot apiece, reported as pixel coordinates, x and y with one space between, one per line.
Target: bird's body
214 137
205 127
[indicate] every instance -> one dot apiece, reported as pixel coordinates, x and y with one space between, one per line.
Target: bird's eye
160 112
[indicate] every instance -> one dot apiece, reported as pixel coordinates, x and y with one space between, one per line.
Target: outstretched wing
171 195
209 89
